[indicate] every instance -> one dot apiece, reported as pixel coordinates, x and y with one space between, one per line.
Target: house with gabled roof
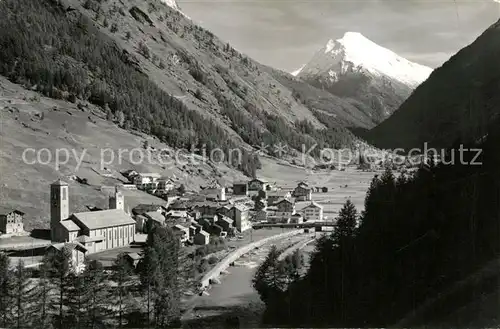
285 205
182 232
133 258
177 215
225 222
11 221
257 184
214 194
201 238
155 219
312 212
302 192
240 214
147 181
282 211
143 208
76 250
274 196
165 184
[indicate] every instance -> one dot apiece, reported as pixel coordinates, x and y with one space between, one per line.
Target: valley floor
342 185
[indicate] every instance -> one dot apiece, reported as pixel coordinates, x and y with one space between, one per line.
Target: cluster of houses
153 183
195 217
281 206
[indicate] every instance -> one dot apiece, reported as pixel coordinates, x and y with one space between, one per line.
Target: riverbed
234 302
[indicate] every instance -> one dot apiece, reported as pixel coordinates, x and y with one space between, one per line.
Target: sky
286 33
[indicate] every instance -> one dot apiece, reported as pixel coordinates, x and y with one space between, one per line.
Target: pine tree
109 114
59 267
146 272
97 297
75 301
387 177
160 277
270 277
168 296
259 204
298 259
292 266
121 276
41 298
22 295
346 222
120 118
343 236
6 297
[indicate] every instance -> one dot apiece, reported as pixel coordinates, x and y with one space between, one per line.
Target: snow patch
333 76
171 3
296 72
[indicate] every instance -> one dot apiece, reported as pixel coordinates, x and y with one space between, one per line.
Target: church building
95 230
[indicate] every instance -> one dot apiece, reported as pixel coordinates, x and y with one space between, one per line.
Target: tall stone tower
117 201
59 206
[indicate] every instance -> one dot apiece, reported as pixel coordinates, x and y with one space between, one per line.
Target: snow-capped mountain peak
356 67
171 3
355 51
174 5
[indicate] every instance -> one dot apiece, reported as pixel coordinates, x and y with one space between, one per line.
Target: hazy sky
286 33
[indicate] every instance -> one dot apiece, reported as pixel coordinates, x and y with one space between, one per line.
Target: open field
342 185
23 243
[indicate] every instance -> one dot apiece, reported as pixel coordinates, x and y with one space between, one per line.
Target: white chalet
313 212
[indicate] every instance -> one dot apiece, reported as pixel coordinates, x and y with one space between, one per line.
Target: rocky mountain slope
148 63
327 107
356 67
96 75
456 104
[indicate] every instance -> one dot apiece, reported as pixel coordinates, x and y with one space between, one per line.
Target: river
234 302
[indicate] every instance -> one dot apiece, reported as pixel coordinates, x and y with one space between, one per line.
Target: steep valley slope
97 74
457 104
42 126
168 76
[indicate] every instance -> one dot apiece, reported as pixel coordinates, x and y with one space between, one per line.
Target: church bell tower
59 206
117 201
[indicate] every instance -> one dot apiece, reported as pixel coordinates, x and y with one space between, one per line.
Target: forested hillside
151 69
418 235
454 105
345 112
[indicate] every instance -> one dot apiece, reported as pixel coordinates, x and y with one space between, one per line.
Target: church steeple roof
59 182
